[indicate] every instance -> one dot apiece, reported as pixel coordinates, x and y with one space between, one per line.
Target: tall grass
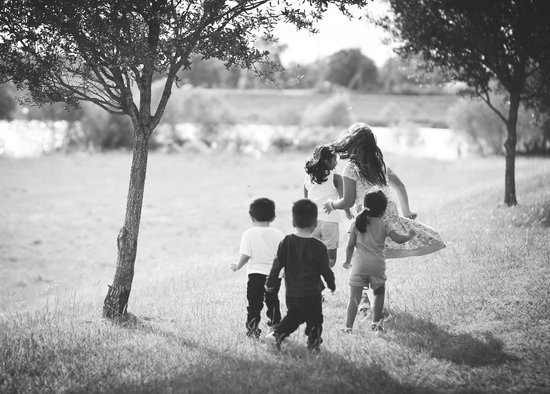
471 318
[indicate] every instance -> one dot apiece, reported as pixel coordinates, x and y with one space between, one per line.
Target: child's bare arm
401 238
349 254
402 195
339 184
242 261
350 249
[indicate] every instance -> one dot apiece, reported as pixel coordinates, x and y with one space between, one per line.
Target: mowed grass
474 317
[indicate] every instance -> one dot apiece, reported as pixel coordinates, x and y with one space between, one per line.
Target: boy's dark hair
374 205
304 213
262 210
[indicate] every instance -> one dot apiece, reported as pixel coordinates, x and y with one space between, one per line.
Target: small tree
493 46
98 50
351 69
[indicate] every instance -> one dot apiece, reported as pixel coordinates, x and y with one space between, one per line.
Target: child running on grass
368 268
258 248
305 260
323 183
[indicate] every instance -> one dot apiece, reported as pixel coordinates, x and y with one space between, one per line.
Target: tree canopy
101 50
501 46
352 69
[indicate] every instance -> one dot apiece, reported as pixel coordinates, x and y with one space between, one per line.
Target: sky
336 32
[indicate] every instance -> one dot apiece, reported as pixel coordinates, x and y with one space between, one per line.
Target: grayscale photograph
275 196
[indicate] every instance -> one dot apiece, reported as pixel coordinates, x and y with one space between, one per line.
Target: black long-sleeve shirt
305 260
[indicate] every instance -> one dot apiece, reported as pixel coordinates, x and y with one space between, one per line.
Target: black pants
256 296
303 309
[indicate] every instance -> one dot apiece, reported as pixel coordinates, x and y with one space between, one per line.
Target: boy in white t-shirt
258 249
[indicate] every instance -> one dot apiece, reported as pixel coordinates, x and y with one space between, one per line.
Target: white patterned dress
426 241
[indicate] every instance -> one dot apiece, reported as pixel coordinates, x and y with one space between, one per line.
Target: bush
202 107
105 131
391 114
485 131
333 112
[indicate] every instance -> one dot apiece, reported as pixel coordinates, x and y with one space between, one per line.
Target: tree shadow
293 369
473 349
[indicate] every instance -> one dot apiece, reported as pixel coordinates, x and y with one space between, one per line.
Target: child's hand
346 265
234 266
327 207
349 215
269 289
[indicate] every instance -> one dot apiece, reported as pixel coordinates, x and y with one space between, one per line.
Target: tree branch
484 95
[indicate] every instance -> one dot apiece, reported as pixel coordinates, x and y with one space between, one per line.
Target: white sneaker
377 327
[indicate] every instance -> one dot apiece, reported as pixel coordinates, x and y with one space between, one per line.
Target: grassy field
474 317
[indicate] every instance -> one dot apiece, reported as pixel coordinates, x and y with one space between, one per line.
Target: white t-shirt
260 243
319 193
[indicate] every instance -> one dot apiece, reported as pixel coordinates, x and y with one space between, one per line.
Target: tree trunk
116 301
510 147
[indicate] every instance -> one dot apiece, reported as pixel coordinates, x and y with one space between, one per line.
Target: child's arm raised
242 261
401 238
401 190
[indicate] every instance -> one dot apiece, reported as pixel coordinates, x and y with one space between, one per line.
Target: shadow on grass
211 369
473 349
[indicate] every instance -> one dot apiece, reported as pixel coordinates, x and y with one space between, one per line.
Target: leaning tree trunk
116 301
510 148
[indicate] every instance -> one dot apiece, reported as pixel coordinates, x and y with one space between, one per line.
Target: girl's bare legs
378 306
354 300
332 254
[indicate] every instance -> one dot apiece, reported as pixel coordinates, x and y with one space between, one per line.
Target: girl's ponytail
374 205
362 221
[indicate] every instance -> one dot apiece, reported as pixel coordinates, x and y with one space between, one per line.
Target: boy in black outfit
305 260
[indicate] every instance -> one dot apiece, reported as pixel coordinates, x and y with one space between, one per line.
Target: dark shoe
254 333
377 327
314 346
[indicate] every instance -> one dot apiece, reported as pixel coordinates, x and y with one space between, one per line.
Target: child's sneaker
255 334
346 330
377 327
387 317
273 339
314 346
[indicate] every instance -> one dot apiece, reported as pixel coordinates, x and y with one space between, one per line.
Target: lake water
19 139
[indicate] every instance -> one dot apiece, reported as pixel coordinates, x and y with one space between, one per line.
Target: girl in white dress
367 172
